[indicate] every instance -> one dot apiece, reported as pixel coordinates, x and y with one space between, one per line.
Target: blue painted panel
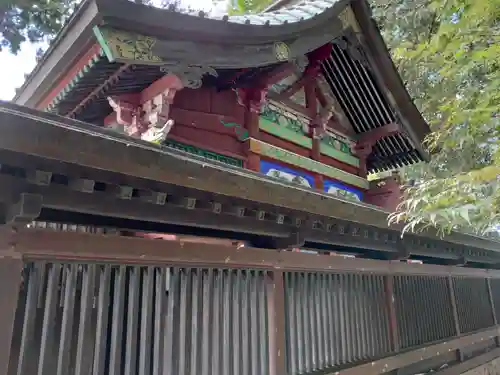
342 191
286 174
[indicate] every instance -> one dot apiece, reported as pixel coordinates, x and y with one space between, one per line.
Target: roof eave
64 49
413 121
159 23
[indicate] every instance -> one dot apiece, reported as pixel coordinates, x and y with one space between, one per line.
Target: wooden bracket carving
149 121
23 211
295 239
316 57
351 43
403 253
373 136
156 116
125 111
362 151
252 98
367 140
318 126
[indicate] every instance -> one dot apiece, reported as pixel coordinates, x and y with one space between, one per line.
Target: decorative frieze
191 76
289 175
290 158
293 127
339 190
203 153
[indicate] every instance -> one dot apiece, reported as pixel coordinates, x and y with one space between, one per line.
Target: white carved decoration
149 121
155 116
126 116
157 135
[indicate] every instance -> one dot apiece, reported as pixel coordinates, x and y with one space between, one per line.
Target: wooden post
252 126
319 182
312 111
493 311
391 308
454 305
250 101
10 281
276 316
453 301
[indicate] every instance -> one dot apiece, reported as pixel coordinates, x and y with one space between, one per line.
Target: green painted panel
332 152
285 133
125 46
203 153
278 122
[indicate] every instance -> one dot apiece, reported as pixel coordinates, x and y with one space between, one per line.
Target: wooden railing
81 303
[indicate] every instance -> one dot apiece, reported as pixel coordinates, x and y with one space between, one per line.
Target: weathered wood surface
66 144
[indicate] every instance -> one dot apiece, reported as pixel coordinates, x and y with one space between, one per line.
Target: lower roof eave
118 154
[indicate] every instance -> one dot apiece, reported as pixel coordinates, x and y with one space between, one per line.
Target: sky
14 67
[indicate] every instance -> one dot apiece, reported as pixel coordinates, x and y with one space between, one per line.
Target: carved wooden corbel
363 151
156 116
22 210
318 126
316 58
252 98
191 76
149 121
367 140
125 111
351 43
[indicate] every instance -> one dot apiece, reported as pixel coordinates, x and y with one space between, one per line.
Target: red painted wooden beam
94 93
169 81
278 74
372 136
296 86
68 76
316 57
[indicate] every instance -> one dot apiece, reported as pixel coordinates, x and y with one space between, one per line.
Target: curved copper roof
296 13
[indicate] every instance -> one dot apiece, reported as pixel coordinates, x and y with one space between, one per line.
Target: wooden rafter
110 81
334 123
71 75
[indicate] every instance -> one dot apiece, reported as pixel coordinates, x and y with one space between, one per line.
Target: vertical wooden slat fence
147 320
10 281
334 319
423 307
473 304
94 304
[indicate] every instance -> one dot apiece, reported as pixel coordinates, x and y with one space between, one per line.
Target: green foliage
31 20
40 20
448 53
248 6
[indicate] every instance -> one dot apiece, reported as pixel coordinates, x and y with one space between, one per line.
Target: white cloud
14 67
